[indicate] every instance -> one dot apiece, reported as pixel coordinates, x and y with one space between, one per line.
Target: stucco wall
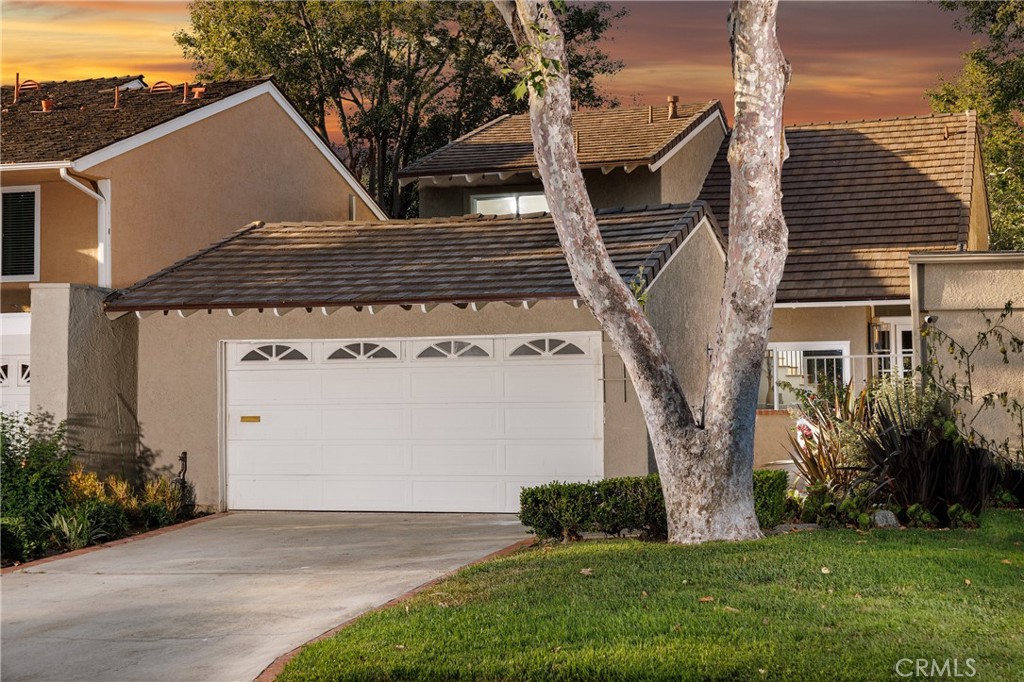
178 372
683 175
177 194
683 305
954 289
84 369
67 235
823 324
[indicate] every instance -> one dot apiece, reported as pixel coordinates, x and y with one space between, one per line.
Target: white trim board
268 88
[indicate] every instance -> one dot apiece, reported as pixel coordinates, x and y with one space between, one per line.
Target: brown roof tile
858 196
463 259
84 120
605 137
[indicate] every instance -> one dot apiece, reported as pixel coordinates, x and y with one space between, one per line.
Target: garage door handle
250 419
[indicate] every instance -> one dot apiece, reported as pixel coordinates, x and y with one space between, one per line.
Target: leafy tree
705 458
992 83
403 78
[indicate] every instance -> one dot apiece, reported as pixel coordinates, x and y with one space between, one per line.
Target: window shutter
19 234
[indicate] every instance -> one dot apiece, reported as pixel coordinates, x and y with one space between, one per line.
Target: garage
413 424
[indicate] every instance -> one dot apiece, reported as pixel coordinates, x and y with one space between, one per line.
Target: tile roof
608 137
459 260
84 120
858 196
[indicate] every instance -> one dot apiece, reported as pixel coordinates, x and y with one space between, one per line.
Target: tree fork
706 463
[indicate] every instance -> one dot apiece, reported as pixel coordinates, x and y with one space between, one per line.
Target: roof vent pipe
672 101
17 86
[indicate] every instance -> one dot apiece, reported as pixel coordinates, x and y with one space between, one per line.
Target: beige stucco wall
84 369
67 235
181 192
678 181
954 290
683 305
178 372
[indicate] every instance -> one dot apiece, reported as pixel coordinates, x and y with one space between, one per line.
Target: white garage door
452 424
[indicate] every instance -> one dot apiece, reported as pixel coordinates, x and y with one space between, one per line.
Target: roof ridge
916 117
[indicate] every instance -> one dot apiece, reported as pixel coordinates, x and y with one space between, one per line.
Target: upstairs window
19 248
509 203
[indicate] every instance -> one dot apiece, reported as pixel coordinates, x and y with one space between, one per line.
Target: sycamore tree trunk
705 460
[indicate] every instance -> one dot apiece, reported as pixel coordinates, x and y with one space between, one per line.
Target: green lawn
827 605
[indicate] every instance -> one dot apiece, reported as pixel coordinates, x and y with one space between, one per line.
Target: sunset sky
851 60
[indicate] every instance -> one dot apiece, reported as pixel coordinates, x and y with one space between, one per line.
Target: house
442 363
107 180
858 196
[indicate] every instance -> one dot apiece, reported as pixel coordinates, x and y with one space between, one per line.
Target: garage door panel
281 387
267 422
486 495
275 492
555 421
532 384
277 459
354 459
451 431
453 458
454 422
357 385
366 423
367 494
455 383
557 459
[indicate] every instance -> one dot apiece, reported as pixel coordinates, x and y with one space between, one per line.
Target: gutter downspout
101 195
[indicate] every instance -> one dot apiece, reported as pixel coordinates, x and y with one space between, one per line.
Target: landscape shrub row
629 504
49 504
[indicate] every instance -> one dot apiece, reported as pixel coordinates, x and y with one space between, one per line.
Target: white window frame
475 198
842 346
34 277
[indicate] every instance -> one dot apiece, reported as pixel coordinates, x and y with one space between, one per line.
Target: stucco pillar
85 371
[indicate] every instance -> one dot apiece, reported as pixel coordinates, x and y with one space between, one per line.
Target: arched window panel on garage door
546 348
365 350
275 352
24 374
454 349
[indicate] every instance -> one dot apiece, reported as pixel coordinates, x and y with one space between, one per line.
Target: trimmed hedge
634 503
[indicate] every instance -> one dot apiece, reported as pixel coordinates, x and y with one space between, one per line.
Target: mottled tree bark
705 460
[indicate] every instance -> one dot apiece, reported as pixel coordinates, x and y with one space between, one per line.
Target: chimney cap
672 99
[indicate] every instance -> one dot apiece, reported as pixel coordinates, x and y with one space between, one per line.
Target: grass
827 605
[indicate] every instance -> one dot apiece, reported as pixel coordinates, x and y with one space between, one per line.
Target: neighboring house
108 180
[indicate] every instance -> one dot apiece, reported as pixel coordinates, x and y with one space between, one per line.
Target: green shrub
770 488
35 458
155 515
107 517
615 505
73 529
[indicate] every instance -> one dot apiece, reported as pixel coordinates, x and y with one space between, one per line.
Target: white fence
787 371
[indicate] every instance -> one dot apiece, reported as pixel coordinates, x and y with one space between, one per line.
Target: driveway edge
113 543
271 672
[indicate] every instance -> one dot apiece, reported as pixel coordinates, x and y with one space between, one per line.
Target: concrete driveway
220 600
